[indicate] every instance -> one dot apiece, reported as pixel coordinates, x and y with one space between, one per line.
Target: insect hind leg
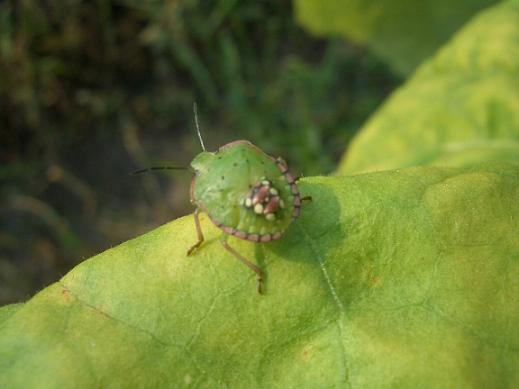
307 199
245 261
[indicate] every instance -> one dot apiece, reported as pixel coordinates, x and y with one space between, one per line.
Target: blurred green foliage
90 91
404 32
476 121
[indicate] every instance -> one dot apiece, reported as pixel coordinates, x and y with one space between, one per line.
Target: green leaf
7 311
459 108
394 279
404 32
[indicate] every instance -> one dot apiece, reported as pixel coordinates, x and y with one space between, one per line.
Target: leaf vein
335 296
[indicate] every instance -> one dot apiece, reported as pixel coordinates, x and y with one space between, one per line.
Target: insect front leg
245 261
198 231
306 198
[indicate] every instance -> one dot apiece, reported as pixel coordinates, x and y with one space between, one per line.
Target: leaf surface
404 32
460 108
393 279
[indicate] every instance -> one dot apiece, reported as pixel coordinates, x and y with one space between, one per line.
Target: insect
245 192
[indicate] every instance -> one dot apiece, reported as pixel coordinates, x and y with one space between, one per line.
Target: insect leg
245 261
307 198
199 233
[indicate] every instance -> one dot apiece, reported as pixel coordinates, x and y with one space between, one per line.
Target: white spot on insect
265 183
270 217
273 191
258 208
248 202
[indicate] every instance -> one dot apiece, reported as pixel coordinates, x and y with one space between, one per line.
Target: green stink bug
245 192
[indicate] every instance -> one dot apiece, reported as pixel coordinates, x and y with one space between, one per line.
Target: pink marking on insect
228 230
253 237
277 236
266 238
240 234
282 166
260 195
272 206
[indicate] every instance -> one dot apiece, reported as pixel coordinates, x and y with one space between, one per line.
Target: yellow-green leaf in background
459 108
401 279
404 32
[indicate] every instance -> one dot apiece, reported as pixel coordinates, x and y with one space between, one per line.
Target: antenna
197 126
159 168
